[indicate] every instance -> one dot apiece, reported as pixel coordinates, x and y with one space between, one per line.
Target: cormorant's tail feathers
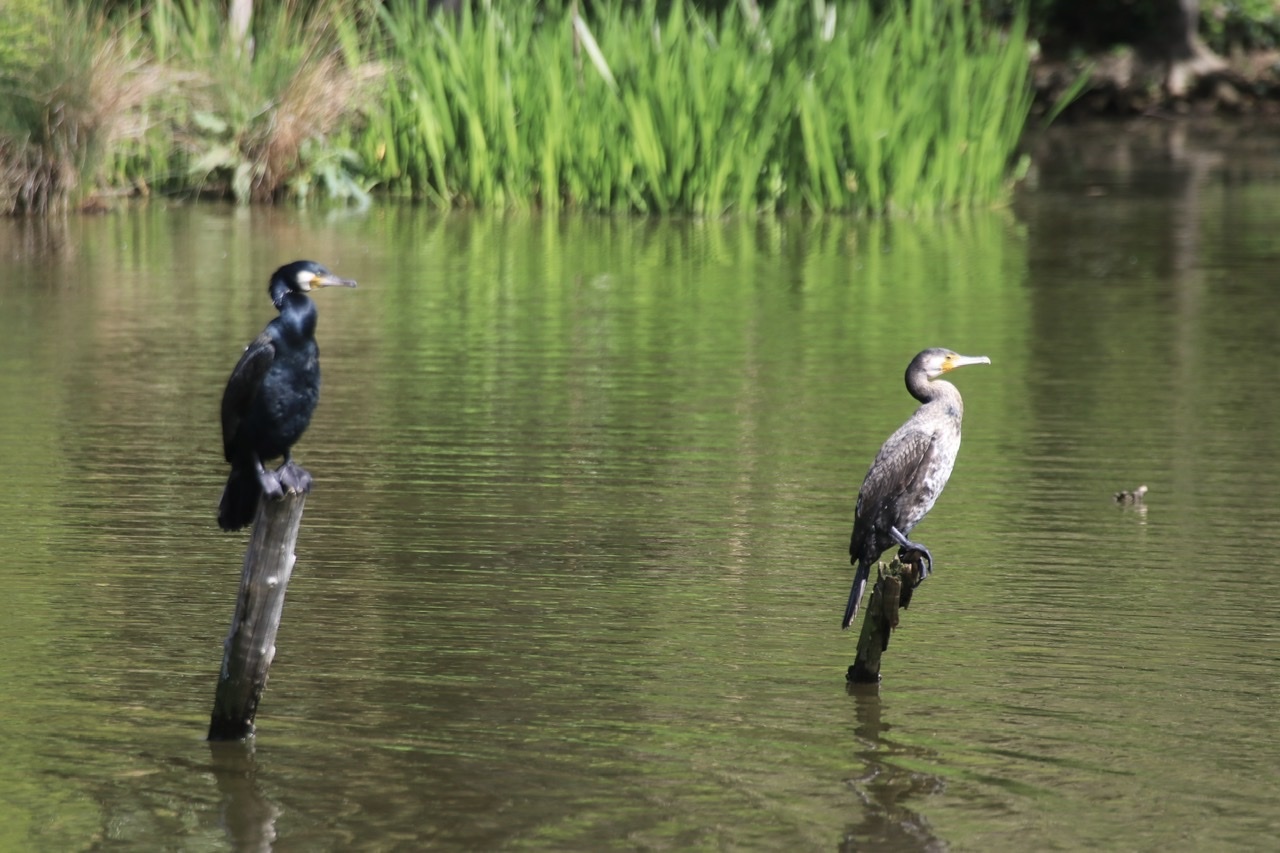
855 594
239 502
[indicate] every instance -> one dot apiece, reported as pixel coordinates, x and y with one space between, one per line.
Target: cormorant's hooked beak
956 360
331 280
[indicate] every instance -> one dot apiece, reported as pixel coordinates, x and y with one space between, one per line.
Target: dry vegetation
78 89
650 107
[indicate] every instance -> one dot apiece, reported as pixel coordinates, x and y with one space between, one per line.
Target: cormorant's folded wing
895 476
243 386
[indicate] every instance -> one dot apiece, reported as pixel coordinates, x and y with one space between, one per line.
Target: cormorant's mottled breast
272 393
910 470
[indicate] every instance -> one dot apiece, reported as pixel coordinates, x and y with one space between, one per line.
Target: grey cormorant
910 470
271 394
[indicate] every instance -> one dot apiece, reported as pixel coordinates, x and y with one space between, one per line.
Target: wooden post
894 585
251 643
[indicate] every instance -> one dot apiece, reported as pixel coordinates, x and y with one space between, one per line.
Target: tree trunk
239 19
1188 57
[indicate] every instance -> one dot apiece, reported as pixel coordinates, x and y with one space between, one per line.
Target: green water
572 573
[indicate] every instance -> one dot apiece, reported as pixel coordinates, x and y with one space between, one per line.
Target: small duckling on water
1134 497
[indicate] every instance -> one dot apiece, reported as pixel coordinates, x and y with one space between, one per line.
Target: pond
572 572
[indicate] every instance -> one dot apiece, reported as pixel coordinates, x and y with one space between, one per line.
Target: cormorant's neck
297 316
927 392
278 290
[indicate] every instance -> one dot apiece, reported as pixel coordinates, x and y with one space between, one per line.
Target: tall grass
166 100
71 87
266 119
652 106
813 106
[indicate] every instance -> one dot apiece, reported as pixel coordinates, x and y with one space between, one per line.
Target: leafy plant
262 119
1240 24
73 86
651 106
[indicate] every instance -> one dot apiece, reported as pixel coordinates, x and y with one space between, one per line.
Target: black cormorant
272 393
910 470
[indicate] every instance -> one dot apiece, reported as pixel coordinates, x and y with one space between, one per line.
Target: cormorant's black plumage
910 470
272 392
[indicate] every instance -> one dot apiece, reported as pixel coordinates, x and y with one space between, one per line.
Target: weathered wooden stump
251 644
891 593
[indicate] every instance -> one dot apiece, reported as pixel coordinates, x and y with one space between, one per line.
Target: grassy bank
638 108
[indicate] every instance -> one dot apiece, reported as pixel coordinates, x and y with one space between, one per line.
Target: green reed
257 121
648 107
811 107
72 88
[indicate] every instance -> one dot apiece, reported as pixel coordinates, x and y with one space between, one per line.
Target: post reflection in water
246 815
890 794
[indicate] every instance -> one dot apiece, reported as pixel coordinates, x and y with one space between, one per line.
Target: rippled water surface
572 572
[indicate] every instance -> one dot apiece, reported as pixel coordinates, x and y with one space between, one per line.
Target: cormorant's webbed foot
269 482
294 477
926 564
